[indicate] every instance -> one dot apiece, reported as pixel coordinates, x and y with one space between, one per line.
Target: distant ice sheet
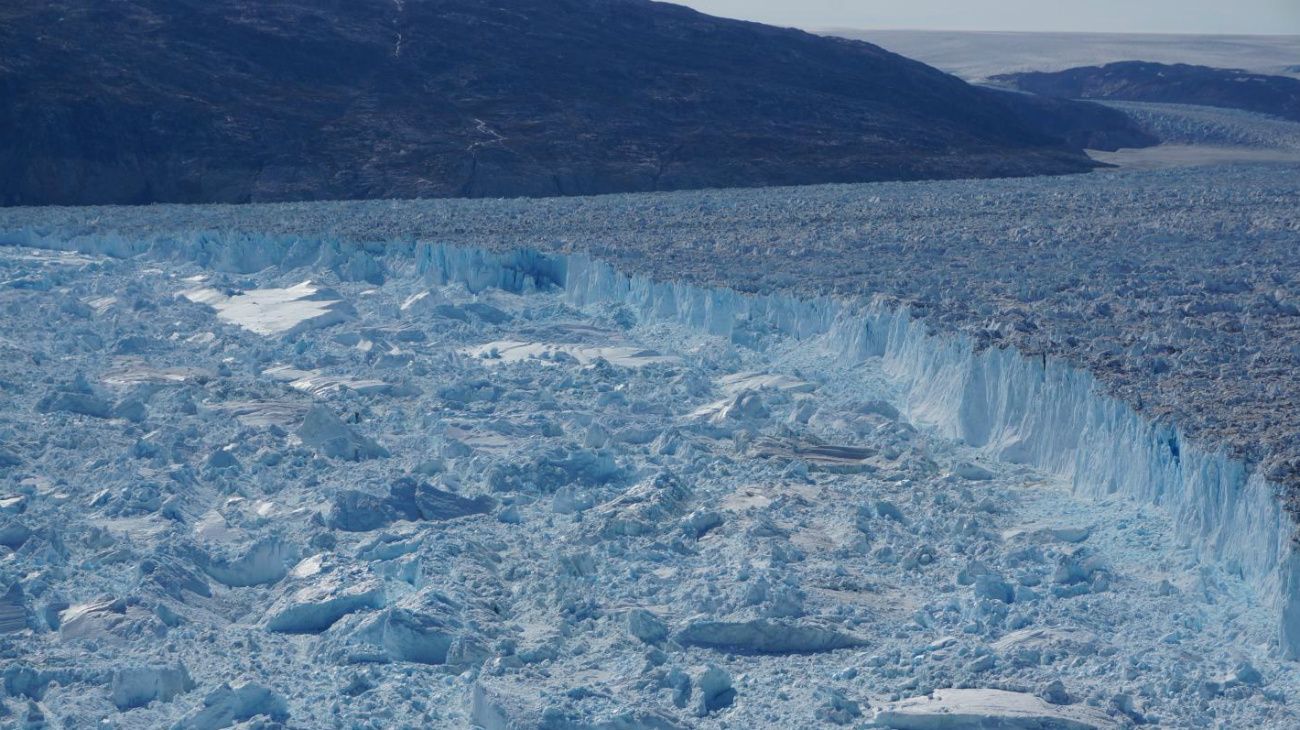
1180 155
978 55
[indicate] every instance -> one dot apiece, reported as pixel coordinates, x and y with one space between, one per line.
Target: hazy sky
1126 16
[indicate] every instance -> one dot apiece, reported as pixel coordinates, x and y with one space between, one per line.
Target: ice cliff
1016 407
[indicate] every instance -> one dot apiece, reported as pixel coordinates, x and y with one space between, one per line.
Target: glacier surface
531 476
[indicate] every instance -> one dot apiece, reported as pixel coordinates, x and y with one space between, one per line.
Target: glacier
1011 406
557 488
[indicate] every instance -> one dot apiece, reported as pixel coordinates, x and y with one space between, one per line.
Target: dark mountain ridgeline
138 101
1167 83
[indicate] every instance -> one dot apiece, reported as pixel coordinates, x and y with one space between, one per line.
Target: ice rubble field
410 505
372 465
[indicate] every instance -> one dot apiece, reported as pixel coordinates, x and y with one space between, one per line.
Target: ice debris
987 709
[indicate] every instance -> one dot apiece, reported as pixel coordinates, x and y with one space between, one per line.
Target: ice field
629 463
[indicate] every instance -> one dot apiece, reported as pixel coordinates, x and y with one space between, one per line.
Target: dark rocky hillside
137 101
1171 84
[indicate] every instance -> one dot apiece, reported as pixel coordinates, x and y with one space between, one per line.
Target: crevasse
1044 413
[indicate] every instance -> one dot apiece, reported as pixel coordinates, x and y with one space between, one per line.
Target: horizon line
825 28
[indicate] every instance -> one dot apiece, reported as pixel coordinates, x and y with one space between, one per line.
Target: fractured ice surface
890 513
511 352
987 709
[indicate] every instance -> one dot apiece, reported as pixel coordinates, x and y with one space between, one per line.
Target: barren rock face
1277 96
242 100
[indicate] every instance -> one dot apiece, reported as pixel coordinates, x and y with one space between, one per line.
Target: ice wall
1059 418
1018 408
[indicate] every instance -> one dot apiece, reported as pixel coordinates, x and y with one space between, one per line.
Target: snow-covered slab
815 452
1048 533
316 383
132 371
737 382
324 432
1037 645
316 606
276 311
264 413
44 256
511 351
988 709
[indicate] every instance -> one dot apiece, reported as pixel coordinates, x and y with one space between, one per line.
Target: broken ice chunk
353 510
1049 533
644 508
80 403
324 432
836 708
357 511
738 382
972 472
646 626
104 618
988 709
1029 647
13 610
731 408
266 561
318 605
716 692
422 501
13 533
766 636
426 628
992 587
138 686
513 351
230 704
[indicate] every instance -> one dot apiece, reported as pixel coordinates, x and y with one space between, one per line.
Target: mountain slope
1173 84
240 100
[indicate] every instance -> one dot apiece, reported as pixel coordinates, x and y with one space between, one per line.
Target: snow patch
987 709
276 312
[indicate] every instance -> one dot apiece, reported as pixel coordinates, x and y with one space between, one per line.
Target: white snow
987 709
275 311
